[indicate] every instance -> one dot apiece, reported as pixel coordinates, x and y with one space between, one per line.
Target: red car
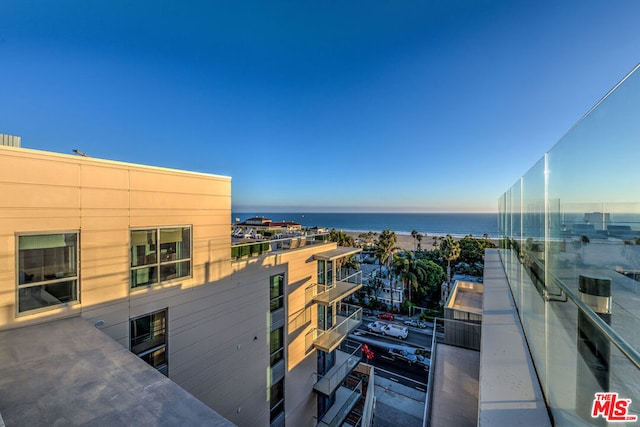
386 316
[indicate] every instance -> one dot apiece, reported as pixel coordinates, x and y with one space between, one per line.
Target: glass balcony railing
346 398
570 245
244 249
348 355
328 294
347 321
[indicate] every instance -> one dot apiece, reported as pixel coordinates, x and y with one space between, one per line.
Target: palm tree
385 247
450 250
419 236
401 268
412 272
414 234
342 238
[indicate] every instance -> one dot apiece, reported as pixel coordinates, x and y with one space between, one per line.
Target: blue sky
425 106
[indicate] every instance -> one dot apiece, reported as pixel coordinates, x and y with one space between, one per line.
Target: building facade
145 255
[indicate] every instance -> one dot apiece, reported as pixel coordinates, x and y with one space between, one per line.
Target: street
409 374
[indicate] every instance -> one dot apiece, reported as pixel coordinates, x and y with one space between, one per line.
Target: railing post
593 345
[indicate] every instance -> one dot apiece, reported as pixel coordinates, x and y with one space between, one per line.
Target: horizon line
242 210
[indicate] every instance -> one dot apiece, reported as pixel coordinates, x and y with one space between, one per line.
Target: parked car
425 362
411 322
397 331
423 325
403 355
386 316
367 312
376 326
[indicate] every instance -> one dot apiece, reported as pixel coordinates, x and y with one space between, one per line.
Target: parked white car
376 326
397 331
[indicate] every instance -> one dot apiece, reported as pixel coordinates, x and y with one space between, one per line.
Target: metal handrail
427 402
319 289
340 372
631 353
342 412
626 348
284 239
260 247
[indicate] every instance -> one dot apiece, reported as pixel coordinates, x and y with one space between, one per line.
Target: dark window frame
277 407
161 264
54 290
276 302
276 354
157 339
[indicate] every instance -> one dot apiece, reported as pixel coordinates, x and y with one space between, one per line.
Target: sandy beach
405 241
408 243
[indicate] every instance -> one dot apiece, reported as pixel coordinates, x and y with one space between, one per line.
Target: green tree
450 250
434 276
414 234
419 237
368 239
472 249
341 238
411 271
401 269
385 246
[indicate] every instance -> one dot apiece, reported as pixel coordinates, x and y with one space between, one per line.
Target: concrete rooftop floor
68 373
455 397
468 299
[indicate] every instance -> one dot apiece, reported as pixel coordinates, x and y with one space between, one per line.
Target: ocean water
429 224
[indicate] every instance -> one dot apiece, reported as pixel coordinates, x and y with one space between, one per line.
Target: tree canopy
342 238
385 246
450 250
420 277
472 249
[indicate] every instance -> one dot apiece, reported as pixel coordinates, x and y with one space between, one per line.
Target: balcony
348 356
340 252
346 398
251 248
347 321
328 294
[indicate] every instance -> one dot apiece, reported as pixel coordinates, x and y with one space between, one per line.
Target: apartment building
143 255
561 298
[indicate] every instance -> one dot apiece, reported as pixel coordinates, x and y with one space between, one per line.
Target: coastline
429 224
407 243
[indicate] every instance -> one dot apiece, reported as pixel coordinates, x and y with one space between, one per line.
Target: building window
276 291
325 272
276 345
148 339
47 270
153 263
325 317
276 399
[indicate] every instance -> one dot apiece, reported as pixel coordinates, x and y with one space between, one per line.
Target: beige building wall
212 351
218 319
103 200
300 270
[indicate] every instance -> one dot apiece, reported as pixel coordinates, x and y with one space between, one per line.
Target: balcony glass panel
348 355
243 249
570 245
329 340
328 294
346 398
